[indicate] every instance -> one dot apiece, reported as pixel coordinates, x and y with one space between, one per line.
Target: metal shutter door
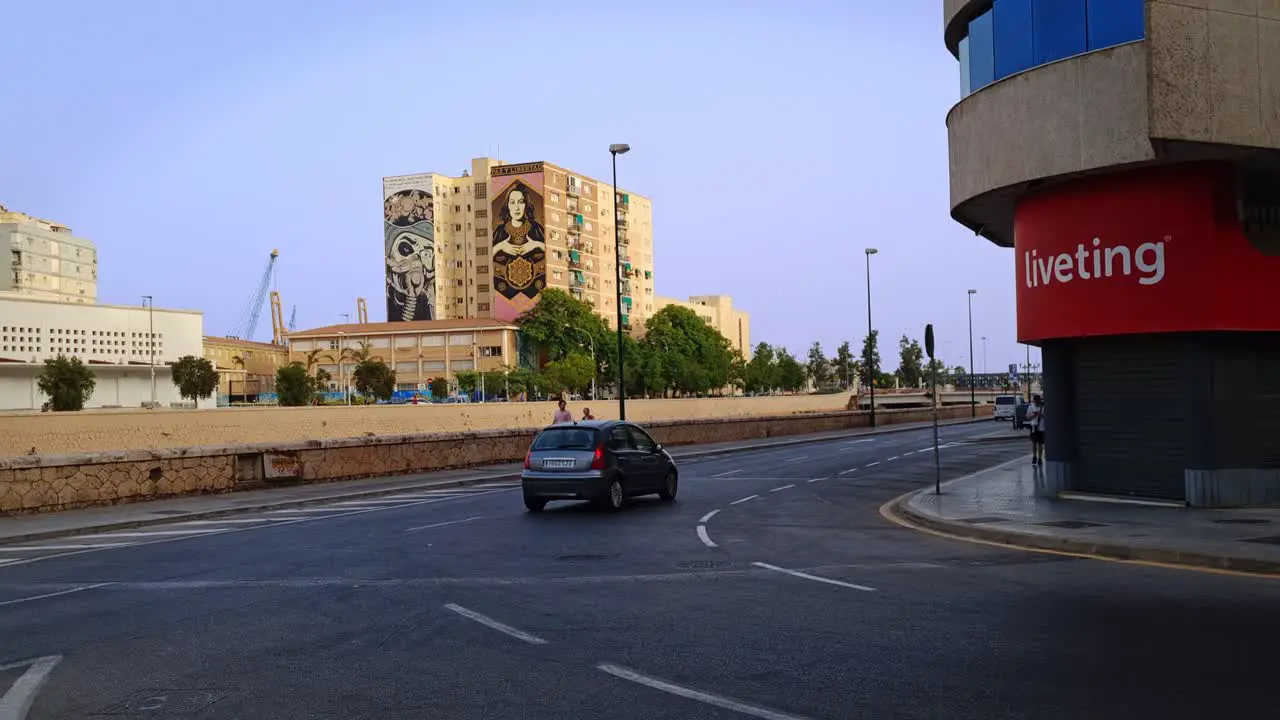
1131 417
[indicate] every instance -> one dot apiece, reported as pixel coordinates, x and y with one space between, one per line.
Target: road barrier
43 483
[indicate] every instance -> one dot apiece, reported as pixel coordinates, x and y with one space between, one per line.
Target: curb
899 511
354 494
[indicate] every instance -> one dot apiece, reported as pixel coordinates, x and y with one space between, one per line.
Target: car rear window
1006 400
569 438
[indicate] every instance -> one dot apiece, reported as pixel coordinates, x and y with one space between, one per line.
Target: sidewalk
24 528
1000 505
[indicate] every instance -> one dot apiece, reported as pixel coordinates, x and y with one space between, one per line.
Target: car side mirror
657 447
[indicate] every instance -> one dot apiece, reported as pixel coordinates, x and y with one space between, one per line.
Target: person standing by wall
562 414
1035 418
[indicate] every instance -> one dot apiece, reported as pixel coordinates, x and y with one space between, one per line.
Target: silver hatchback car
604 461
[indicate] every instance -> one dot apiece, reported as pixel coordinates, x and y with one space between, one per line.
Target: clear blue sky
777 139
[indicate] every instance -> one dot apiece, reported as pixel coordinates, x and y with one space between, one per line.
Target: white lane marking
855 442
368 503
49 595
927 448
140 533
708 516
727 474
850 470
326 509
909 452
492 485
895 457
814 480
490 622
703 697
225 521
784 487
16 703
796 459
807 576
45 548
427 496
704 537
873 464
749 497
215 531
442 524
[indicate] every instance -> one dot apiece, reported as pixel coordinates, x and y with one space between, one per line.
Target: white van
1007 406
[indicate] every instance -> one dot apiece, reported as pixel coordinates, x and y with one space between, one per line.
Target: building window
457 301
458 283
481 191
482 288
482 307
482 213
482 268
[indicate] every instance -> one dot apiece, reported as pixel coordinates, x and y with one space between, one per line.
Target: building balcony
622 221
571 191
574 228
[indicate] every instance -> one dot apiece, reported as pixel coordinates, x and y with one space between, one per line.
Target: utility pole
151 343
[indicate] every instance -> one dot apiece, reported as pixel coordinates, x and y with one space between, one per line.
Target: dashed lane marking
704 537
780 489
807 576
749 497
708 516
494 624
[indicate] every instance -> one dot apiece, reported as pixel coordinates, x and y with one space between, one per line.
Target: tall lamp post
151 343
871 349
985 369
973 382
615 150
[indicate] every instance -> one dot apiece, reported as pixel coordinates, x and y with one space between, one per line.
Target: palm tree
238 362
313 358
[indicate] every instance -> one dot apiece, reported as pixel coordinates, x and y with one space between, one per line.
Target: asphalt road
459 604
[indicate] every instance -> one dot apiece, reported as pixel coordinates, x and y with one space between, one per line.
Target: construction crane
293 319
362 311
277 320
248 322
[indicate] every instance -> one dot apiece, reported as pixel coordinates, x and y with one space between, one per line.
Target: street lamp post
973 382
871 349
151 343
615 150
342 375
985 368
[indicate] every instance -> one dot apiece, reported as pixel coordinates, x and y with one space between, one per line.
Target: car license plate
557 464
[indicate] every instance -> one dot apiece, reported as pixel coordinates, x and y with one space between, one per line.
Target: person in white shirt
562 415
1035 418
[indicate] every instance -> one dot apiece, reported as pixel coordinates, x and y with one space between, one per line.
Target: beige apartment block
45 261
418 351
245 368
718 312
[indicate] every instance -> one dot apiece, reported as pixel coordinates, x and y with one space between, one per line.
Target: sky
777 139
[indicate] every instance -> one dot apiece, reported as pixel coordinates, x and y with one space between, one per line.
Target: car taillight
597 460
526 459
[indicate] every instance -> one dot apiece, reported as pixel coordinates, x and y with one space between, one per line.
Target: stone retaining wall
42 483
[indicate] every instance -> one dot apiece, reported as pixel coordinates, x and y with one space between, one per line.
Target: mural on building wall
519 241
410 246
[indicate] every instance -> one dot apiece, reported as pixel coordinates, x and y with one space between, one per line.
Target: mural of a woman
519 250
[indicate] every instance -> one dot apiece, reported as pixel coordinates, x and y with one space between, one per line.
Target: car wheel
533 504
669 487
615 497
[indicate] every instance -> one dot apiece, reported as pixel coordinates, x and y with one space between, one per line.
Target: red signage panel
1155 250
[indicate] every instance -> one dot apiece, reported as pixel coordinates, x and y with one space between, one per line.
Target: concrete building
718 312
449 254
418 351
115 341
45 261
1129 152
245 368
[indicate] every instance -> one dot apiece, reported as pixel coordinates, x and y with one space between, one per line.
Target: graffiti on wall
408 211
519 252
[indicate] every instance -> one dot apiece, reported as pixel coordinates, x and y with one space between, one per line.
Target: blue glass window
1058 29
965 87
1114 22
1013 37
982 51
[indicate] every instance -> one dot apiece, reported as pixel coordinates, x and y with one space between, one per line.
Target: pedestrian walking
562 414
586 414
1035 418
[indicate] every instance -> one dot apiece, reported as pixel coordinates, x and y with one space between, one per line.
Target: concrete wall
58 433
48 483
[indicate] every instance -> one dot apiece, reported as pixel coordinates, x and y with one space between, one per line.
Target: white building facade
115 341
44 260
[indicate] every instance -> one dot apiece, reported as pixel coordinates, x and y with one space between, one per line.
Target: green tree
910 362
790 372
294 387
818 369
375 379
690 356
844 364
871 356
67 382
938 366
195 377
738 370
468 381
572 373
561 324
439 388
761 374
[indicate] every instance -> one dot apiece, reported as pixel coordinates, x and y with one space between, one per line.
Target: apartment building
245 368
718 312
486 243
418 351
115 341
45 261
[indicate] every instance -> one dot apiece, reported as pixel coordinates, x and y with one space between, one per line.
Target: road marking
149 533
850 470
727 474
227 520
814 480
442 524
16 703
704 537
873 464
708 516
749 497
490 622
691 694
784 487
855 442
909 452
895 457
42 548
368 503
807 576
796 459
429 496
326 509
49 595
